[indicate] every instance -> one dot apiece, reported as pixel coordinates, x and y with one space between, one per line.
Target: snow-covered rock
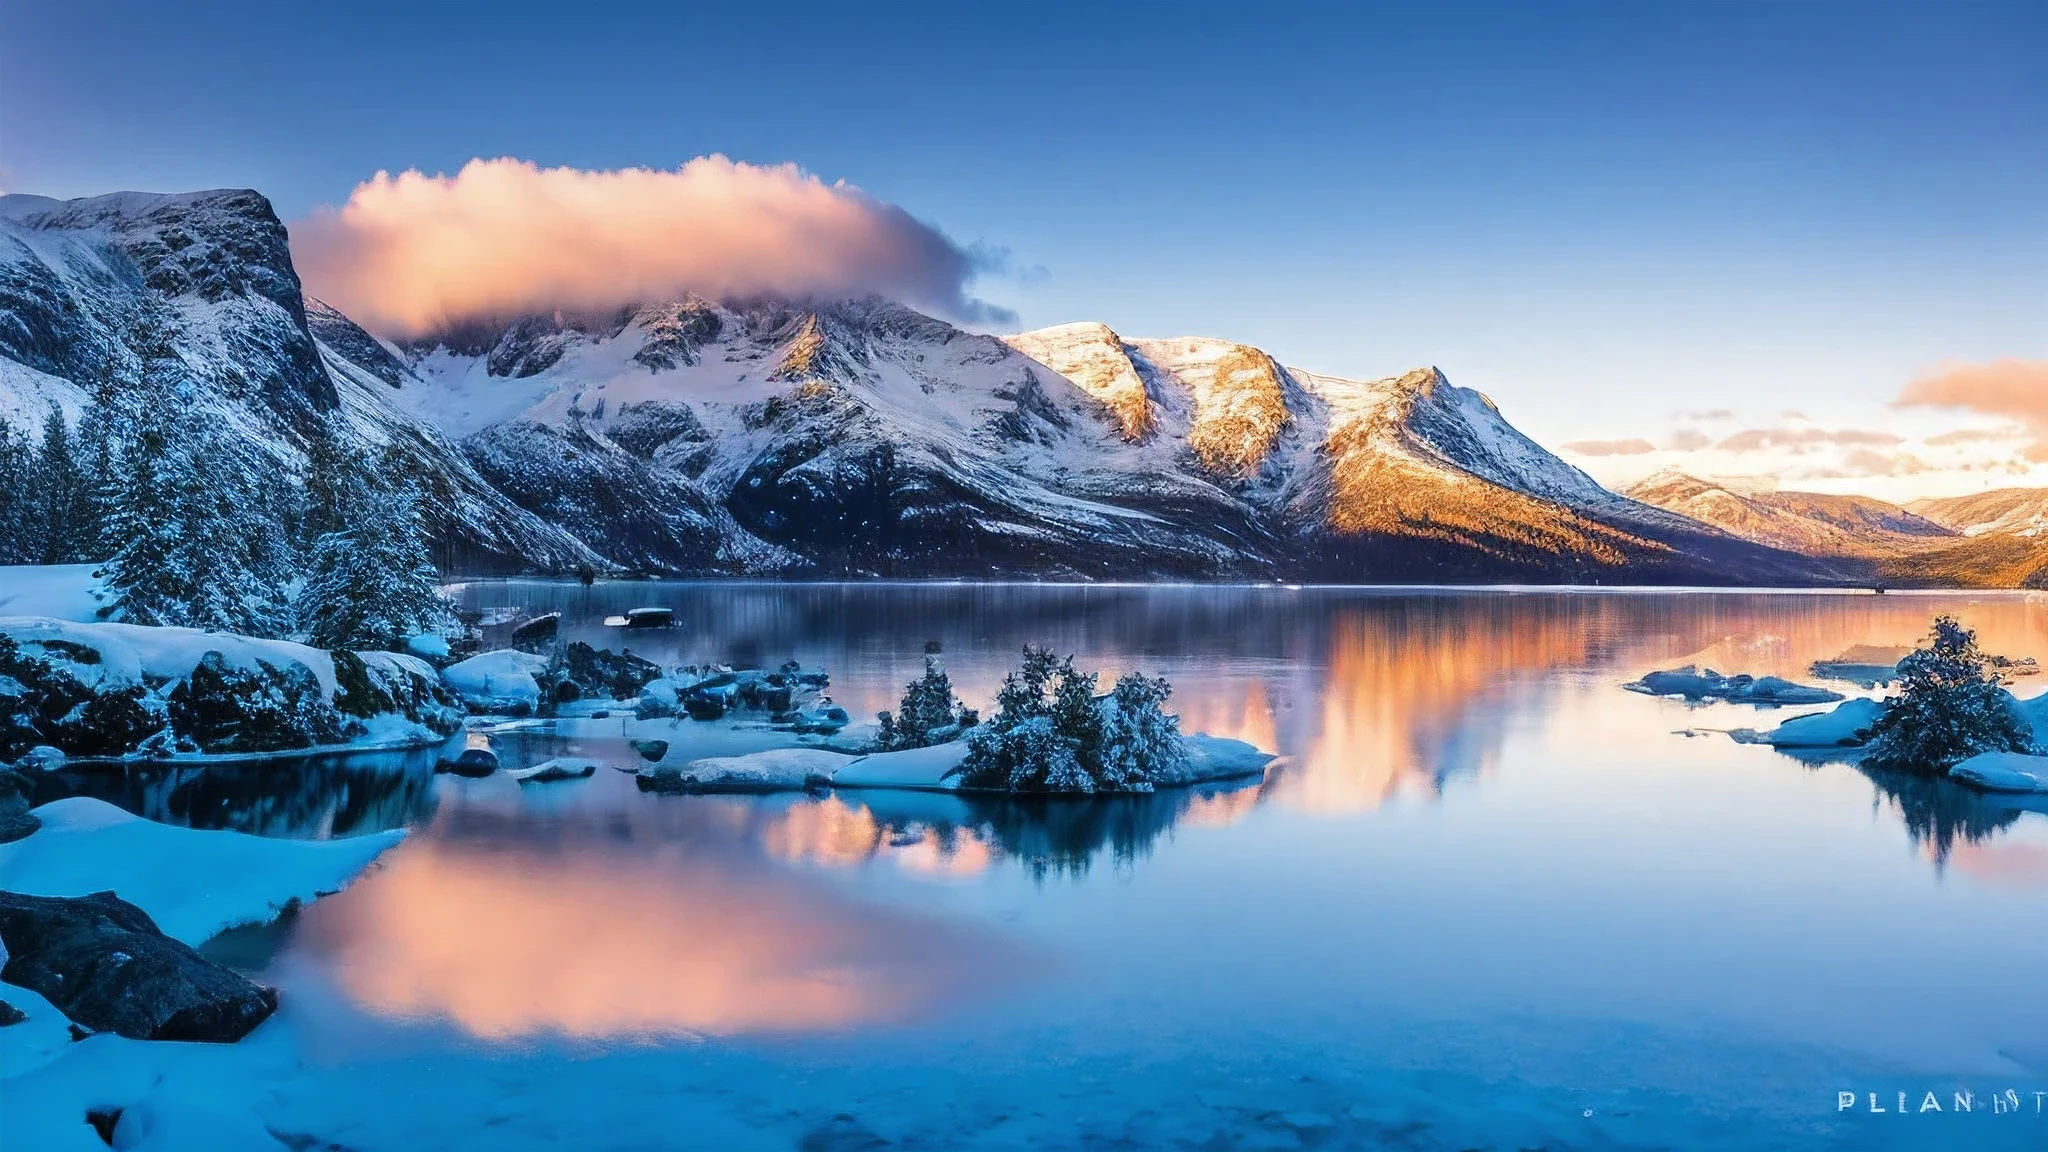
1845 725
109 690
194 883
932 769
1696 684
2003 772
560 768
428 646
1218 758
773 770
500 683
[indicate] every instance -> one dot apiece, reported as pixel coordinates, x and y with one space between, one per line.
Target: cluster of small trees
1951 706
194 528
1050 733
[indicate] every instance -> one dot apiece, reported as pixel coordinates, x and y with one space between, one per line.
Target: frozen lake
1486 900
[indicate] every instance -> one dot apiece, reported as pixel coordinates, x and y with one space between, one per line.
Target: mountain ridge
824 438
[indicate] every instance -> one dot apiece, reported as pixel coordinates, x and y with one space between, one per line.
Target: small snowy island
1952 717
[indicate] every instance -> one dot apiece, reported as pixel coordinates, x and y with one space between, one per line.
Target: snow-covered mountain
2010 511
849 437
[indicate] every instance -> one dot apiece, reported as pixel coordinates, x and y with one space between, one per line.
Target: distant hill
1812 523
2016 511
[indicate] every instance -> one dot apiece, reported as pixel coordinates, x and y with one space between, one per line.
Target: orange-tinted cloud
2016 389
1760 439
410 253
1610 447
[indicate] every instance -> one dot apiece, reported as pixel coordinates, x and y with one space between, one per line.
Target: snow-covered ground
194 884
59 591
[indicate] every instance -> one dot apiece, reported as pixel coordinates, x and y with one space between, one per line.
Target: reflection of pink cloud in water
597 943
2002 864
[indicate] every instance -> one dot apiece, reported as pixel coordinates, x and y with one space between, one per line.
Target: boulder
651 750
227 707
102 962
17 796
473 763
537 634
10 1015
605 674
561 768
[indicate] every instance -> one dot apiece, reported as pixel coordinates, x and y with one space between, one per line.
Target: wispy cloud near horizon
412 252
2012 388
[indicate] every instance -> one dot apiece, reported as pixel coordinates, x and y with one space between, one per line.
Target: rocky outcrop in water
102 962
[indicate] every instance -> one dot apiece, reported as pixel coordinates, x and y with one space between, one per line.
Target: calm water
1487 899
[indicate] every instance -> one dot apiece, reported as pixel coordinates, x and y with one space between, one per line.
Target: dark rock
473 763
42 702
17 795
600 714
10 1015
704 705
363 691
227 708
102 962
651 750
537 634
104 1121
604 674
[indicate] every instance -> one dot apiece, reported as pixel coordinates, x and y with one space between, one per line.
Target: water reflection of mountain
311 798
1370 693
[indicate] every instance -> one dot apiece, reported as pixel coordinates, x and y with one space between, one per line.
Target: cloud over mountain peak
412 252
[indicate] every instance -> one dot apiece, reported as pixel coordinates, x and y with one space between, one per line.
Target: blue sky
1600 214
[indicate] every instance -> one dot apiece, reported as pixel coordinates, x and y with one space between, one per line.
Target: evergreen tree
929 712
1948 709
371 583
144 526
1051 734
18 544
190 540
63 497
99 457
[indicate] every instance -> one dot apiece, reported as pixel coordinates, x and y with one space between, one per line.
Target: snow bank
922 769
428 645
1845 725
1694 684
2034 711
129 653
194 883
498 682
1219 758
775 770
2004 772
59 591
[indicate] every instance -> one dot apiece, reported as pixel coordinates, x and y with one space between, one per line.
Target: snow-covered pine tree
1948 709
63 497
1051 734
144 526
371 583
191 542
928 712
99 459
18 544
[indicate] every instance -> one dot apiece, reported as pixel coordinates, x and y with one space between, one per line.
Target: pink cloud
410 253
2016 389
